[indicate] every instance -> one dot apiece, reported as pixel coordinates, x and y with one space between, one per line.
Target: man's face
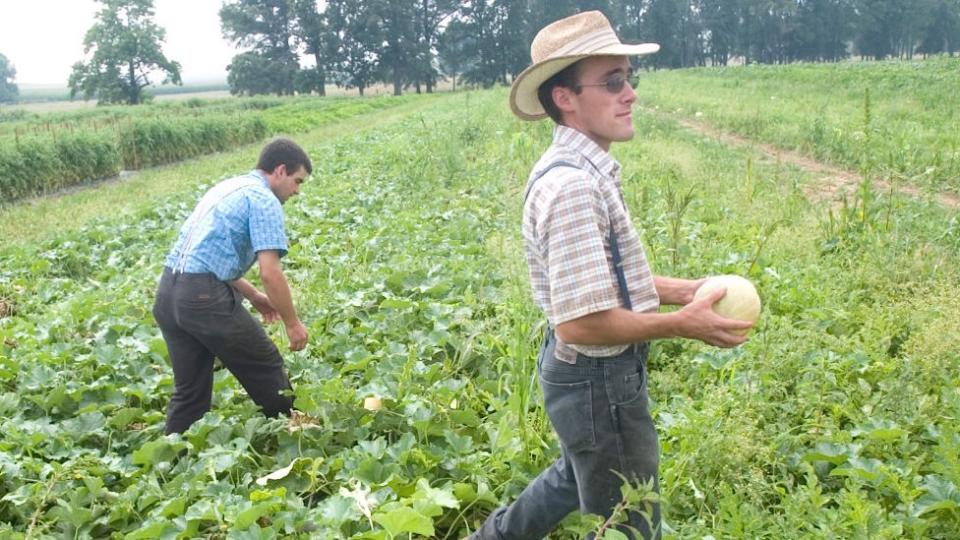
597 112
284 184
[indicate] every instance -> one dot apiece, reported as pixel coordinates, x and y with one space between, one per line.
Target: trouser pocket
569 406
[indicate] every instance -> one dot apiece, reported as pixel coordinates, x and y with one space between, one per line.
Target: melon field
838 419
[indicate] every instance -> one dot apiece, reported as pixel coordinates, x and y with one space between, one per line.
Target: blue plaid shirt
232 222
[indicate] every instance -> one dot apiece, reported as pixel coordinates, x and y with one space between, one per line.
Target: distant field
893 120
44 100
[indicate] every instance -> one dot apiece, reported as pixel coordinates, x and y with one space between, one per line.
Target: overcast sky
43 38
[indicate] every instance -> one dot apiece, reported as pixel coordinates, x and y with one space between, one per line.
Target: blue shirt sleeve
267 231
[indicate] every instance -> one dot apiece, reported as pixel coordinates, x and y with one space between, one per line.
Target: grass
39 218
891 120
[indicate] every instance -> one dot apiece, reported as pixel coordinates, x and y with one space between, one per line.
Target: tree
8 90
942 33
126 49
252 73
430 15
455 45
267 28
312 31
397 26
481 24
889 27
356 43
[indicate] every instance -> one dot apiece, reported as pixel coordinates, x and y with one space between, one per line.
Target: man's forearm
245 287
675 291
619 327
275 285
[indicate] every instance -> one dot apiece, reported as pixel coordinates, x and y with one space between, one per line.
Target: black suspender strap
544 171
614 245
618 267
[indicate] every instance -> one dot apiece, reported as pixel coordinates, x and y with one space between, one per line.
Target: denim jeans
202 317
600 411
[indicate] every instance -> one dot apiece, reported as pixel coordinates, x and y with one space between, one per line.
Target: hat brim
523 92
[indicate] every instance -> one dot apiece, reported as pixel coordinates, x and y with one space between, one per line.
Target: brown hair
283 151
566 78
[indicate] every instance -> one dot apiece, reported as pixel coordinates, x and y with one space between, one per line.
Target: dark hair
282 151
566 78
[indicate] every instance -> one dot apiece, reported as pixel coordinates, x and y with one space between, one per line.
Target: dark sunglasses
615 83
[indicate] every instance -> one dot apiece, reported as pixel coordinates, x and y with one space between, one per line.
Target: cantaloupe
741 301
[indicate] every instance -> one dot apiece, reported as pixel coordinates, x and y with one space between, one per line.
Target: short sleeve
267 230
574 226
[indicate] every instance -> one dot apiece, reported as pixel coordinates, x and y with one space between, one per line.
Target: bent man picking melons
199 304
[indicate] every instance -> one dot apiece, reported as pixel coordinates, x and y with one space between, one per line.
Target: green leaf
467 493
248 517
941 494
613 534
150 531
405 520
879 430
174 508
121 418
374 472
832 453
440 497
203 510
338 509
253 532
869 470
156 451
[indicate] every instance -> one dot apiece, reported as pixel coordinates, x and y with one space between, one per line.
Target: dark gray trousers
201 318
600 411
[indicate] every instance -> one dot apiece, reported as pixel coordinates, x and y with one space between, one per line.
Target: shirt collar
260 176
583 145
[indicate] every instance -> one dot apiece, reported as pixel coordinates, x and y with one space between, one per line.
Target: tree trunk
322 90
133 98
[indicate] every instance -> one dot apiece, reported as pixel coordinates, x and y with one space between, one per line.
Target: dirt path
831 182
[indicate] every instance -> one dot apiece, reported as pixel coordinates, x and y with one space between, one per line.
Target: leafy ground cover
836 420
891 120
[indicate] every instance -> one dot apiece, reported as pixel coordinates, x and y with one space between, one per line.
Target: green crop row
101 145
37 165
303 114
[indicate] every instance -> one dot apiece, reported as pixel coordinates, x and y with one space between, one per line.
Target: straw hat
560 44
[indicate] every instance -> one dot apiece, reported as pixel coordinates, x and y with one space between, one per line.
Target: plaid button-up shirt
233 221
566 231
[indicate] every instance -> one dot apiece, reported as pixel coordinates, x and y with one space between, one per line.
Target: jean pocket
632 389
570 408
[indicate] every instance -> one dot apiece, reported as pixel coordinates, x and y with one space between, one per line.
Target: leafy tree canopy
8 90
124 48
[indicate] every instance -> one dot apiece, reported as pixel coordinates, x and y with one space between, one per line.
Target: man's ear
279 170
563 98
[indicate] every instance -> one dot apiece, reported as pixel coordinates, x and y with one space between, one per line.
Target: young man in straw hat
591 278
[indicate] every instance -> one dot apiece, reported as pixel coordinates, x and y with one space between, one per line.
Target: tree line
417 43
414 43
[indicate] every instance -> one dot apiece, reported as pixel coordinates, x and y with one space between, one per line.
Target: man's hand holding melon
723 310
